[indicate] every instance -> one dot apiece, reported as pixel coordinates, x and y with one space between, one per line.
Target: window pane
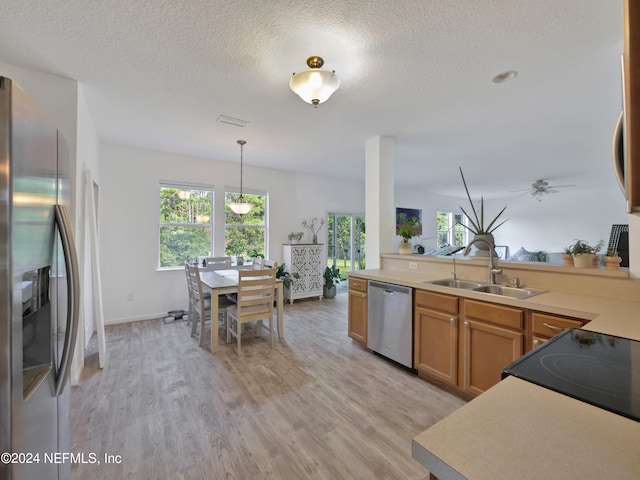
243 241
179 244
185 206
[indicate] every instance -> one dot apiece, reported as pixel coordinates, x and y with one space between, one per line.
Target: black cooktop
603 370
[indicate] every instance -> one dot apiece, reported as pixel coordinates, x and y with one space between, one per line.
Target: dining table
224 282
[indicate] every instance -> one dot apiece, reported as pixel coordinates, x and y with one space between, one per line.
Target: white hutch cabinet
306 260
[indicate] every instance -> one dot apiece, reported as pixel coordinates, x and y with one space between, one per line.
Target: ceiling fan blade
550 190
521 190
560 186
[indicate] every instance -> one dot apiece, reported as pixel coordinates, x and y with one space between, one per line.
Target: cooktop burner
599 369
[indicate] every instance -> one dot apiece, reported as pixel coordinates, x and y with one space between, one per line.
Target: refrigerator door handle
71 263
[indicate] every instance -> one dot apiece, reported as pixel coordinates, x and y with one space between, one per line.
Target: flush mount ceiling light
315 85
241 207
504 76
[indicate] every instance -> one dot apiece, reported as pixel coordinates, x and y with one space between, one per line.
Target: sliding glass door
346 241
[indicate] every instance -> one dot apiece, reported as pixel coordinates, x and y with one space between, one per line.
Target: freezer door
32 167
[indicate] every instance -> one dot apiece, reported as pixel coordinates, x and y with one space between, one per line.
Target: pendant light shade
241 207
315 85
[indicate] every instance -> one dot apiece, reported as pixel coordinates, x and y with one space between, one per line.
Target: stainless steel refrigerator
38 291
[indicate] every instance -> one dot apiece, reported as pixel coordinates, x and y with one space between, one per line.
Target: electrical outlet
129 297
413 266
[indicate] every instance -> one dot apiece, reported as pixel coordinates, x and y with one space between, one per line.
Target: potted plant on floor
332 278
286 277
611 259
478 226
583 253
407 228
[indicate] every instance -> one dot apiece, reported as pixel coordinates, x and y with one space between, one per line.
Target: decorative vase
404 248
315 238
583 260
612 263
329 292
482 249
567 260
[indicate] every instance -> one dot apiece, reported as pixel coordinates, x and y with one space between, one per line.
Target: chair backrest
217 262
257 263
255 293
196 285
270 263
186 271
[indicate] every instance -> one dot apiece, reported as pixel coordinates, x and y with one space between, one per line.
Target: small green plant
296 236
583 247
332 276
407 227
253 253
611 252
478 223
539 256
286 277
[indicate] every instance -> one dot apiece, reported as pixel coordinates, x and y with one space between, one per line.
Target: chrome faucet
454 268
493 267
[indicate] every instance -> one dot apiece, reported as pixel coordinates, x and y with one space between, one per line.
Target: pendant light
241 207
315 85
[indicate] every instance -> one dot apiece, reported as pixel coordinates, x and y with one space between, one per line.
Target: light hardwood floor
317 406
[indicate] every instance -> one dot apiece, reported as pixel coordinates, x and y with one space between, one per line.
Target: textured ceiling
160 72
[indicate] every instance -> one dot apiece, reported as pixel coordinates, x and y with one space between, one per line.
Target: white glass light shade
241 207
314 86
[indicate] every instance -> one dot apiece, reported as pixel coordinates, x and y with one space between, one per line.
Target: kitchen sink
519 293
449 282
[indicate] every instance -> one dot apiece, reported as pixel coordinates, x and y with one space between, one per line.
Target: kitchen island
517 429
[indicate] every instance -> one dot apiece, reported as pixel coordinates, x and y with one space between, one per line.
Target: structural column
379 198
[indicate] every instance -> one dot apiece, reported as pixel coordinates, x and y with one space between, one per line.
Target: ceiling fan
540 188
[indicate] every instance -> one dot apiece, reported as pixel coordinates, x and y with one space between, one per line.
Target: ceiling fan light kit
540 188
315 85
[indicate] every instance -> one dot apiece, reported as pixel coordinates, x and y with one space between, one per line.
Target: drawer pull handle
553 327
452 320
536 343
364 295
466 324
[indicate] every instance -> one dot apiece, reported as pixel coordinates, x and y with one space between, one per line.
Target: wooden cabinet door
486 350
436 344
358 315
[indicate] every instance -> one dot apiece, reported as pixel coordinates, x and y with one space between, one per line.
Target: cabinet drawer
497 314
436 301
358 284
550 325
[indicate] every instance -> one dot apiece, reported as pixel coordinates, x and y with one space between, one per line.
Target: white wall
129 220
549 225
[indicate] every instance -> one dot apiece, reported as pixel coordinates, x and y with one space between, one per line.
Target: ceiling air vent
236 122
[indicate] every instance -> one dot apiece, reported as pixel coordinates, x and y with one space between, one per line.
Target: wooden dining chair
269 263
255 303
217 263
257 263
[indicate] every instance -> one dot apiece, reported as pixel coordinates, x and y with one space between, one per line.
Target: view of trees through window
346 241
245 235
450 230
185 224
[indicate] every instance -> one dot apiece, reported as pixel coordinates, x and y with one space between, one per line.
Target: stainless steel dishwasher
390 322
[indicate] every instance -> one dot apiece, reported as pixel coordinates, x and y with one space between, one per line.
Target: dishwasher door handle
388 292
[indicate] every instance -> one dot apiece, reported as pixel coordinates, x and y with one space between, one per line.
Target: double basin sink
501 290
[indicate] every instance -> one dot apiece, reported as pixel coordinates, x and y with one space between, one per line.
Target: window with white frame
450 229
186 223
245 235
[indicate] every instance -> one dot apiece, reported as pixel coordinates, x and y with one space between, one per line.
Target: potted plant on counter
567 257
583 253
477 224
332 277
611 259
295 237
